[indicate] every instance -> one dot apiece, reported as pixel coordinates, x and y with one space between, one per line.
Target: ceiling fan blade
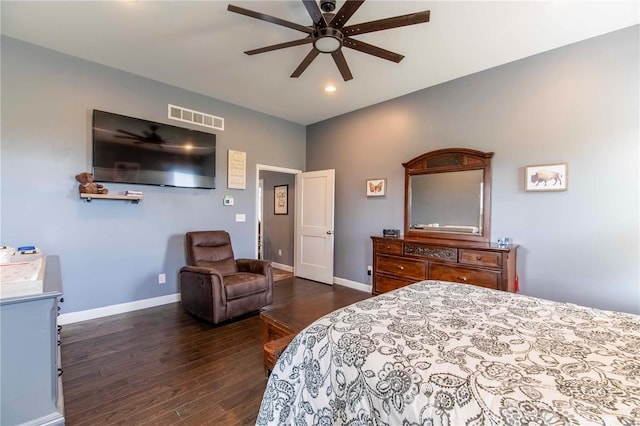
341 63
269 18
135 135
279 46
363 47
346 11
315 13
387 23
305 63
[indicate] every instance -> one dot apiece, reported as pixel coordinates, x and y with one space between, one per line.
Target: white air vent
195 117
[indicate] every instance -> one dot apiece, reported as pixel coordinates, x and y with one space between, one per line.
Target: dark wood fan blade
341 63
125 132
279 46
363 47
346 11
387 23
269 18
305 63
315 13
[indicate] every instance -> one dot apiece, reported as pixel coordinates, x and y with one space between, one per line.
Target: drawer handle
462 278
400 267
478 257
388 247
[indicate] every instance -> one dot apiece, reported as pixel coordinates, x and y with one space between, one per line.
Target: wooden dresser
398 262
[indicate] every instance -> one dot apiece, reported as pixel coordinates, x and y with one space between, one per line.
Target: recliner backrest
211 249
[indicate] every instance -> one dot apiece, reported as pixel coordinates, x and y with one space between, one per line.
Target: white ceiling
199 45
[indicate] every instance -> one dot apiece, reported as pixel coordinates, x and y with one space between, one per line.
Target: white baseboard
340 281
352 284
282 266
105 311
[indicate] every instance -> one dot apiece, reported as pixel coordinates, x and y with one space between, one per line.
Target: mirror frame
450 160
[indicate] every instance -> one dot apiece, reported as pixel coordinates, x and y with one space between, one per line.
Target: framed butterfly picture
376 187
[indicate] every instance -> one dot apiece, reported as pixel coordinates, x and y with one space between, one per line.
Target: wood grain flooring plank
172 394
162 366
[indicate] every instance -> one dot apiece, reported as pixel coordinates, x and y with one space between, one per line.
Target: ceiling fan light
327 40
327 44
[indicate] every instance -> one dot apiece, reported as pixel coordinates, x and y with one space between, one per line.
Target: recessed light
329 88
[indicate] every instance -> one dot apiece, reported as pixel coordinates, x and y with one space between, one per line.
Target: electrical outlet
279 252
162 278
369 269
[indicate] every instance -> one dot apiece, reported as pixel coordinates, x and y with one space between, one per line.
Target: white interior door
315 198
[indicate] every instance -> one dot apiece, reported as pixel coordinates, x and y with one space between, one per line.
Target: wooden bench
273 350
282 323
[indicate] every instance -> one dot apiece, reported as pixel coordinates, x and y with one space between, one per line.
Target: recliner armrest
202 270
202 293
254 266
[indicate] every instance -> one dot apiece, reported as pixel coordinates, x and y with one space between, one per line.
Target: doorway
275 225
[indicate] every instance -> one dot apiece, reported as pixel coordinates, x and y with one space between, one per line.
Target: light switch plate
240 217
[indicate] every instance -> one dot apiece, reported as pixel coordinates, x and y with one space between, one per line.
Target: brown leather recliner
215 286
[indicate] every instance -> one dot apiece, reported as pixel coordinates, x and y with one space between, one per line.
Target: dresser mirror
448 195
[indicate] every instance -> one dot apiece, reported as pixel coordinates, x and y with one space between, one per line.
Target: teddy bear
88 186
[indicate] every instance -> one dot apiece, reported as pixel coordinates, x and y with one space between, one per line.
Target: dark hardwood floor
162 366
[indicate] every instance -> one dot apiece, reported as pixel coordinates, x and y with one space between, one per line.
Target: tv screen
131 150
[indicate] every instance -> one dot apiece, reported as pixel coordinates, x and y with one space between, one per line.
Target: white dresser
30 382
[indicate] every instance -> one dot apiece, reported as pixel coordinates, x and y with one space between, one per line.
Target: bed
439 353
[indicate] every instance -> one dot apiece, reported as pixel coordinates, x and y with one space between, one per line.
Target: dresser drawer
481 258
459 274
402 267
389 247
384 284
443 254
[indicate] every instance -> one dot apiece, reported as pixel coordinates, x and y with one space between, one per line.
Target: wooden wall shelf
135 199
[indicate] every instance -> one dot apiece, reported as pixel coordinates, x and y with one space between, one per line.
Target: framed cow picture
546 177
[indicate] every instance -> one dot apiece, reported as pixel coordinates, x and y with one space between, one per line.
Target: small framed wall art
280 199
546 177
376 187
237 170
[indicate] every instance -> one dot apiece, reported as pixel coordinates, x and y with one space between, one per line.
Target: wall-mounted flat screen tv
135 151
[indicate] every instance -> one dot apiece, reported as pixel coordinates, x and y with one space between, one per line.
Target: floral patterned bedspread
437 353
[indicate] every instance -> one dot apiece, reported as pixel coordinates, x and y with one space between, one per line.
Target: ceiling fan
151 137
155 140
328 33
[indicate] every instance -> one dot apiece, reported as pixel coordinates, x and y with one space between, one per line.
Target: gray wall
278 229
577 104
112 252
